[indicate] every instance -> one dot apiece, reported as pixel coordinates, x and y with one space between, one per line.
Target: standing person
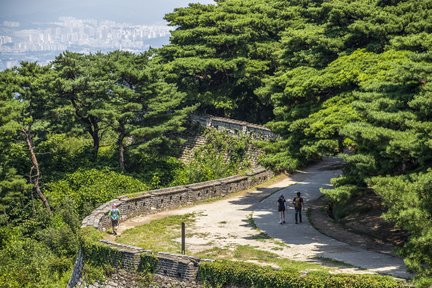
114 214
298 205
281 208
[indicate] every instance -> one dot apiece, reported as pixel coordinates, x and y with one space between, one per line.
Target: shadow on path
304 237
225 222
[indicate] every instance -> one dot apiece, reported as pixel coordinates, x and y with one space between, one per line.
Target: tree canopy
338 77
341 76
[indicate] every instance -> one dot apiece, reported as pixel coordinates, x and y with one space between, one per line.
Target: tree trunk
120 146
35 178
95 136
94 132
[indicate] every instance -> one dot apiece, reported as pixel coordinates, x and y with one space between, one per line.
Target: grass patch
158 235
215 253
337 263
276 248
248 253
251 222
280 243
261 237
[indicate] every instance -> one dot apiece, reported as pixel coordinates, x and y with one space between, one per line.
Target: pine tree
22 99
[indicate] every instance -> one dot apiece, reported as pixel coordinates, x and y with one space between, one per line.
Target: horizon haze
136 12
40 30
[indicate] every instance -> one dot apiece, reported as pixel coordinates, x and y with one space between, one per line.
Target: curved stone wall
154 201
172 268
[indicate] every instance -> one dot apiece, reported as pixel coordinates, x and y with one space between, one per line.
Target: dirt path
227 223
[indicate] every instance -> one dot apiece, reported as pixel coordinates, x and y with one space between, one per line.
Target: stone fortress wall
172 270
154 201
232 127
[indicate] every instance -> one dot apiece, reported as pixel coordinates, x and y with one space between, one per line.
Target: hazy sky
131 11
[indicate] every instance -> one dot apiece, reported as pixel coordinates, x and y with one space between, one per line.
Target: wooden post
183 238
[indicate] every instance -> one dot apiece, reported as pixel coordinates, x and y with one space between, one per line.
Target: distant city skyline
38 30
72 33
142 12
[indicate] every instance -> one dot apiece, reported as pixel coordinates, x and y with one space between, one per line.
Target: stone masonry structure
172 270
235 128
170 266
173 197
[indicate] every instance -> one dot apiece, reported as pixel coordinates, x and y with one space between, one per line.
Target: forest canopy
337 77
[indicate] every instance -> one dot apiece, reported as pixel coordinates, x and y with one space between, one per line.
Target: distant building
79 35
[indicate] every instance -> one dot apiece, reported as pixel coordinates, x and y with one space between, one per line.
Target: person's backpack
297 202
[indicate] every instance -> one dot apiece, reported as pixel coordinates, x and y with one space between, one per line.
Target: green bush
148 263
409 203
89 188
223 272
221 156
26 262
101 259
63 153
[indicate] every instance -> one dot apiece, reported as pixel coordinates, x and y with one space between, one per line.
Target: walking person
281 208
114 214
298 206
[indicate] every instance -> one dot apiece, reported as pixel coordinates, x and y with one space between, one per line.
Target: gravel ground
227 223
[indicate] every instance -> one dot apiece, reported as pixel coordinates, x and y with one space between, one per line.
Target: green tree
146 111
219 54
22 99
85 85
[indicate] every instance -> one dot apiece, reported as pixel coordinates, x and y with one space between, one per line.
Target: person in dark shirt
298 206
281 208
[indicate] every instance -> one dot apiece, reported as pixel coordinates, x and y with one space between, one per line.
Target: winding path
225 223
306 240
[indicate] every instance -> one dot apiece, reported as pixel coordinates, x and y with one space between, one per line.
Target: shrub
89 188
223 272
222 155
101 259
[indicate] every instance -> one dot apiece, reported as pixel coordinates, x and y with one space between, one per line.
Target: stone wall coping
233 121
129 248
232 179
162 255
200 185
173 188
106 205
240 123
139 196
256 171
170 190
178 257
